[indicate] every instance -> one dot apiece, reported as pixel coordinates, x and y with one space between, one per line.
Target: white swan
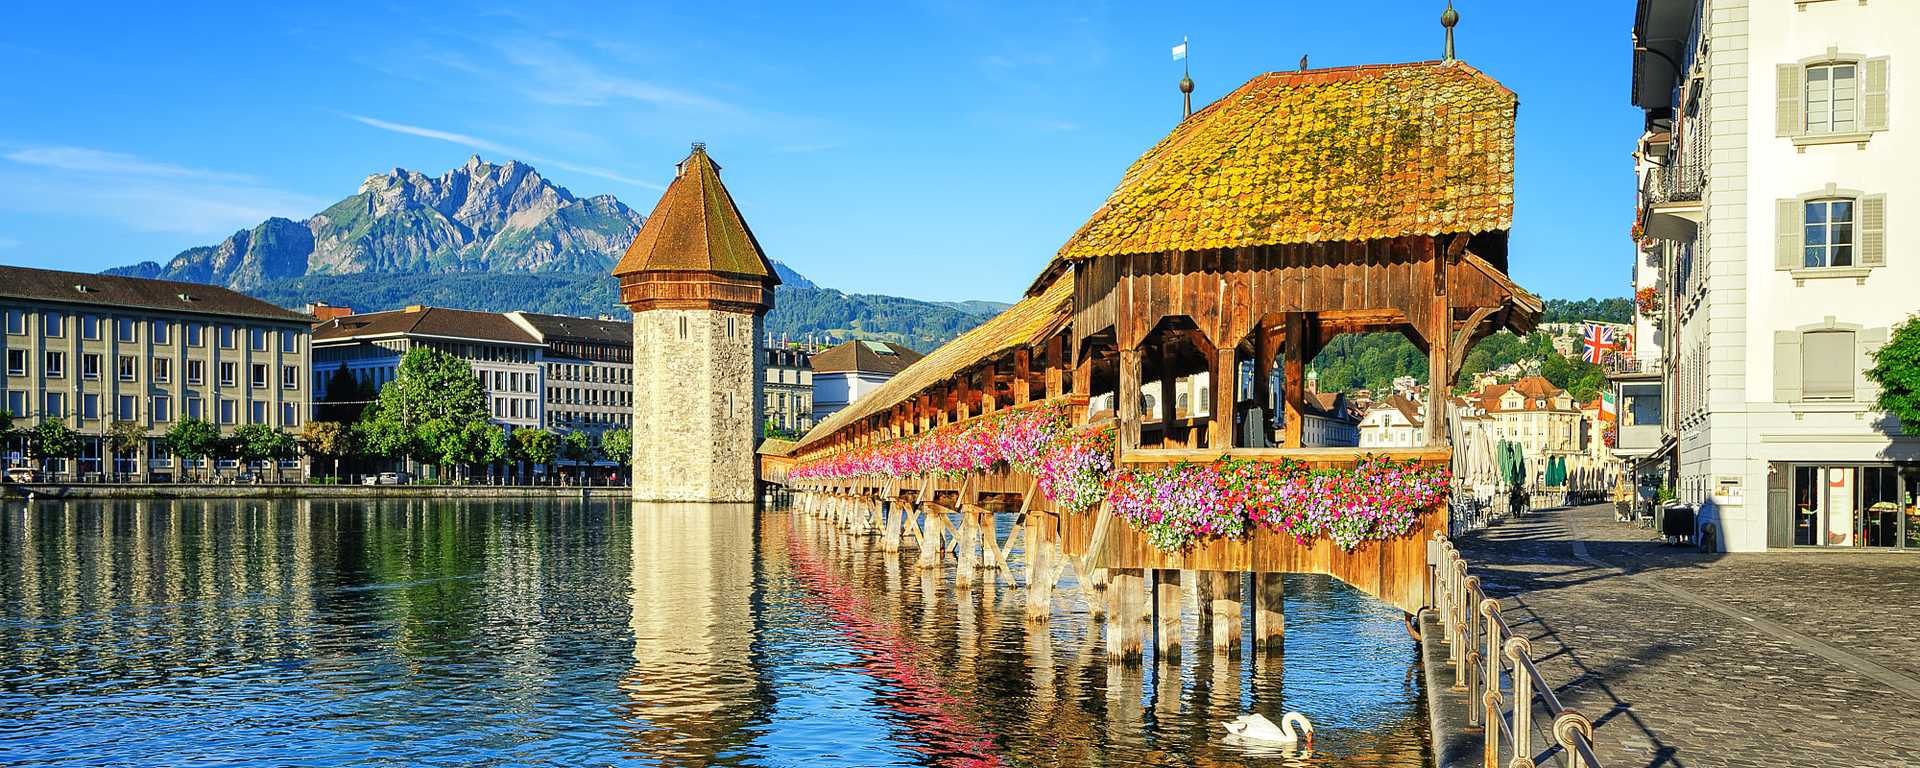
1257 729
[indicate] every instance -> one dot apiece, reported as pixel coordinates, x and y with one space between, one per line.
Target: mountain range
502 237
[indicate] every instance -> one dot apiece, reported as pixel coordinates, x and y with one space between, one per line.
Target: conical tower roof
696 228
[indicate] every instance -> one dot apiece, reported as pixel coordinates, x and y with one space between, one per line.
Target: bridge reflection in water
454 632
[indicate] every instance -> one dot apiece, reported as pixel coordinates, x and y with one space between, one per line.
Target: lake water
567 633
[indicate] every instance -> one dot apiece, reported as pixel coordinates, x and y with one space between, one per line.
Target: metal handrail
1495 668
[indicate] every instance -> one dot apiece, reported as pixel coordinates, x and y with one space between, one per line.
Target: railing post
1462 636
1518 652
1568 728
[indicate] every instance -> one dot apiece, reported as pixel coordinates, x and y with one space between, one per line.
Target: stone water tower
699 287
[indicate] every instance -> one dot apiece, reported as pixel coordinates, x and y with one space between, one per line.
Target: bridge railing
1495 669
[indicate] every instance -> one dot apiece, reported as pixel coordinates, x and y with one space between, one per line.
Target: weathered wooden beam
1293 371
1166 609
1269 614
1226 612
1127 400
1126 615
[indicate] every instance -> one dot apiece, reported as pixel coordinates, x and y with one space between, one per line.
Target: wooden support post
890 543
1202 601
1168 397
930 537
989 381
1083 374
1226 613
1269 616
1040 579
1126 400
968 556
1293 371
1226 378
1055 365
1439 335
1022 376
1126 614
1166 609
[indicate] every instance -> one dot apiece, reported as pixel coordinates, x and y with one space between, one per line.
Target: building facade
848 371
567 374
1396 422
1776 164
699 287
1543 420
787 389
95 350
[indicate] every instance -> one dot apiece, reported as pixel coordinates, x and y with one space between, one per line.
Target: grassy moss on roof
1351 153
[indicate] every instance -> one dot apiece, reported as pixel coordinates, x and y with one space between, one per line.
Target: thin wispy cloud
145 195
561 78
85 160
496 148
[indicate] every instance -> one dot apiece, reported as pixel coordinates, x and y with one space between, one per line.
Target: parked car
23 474
388 479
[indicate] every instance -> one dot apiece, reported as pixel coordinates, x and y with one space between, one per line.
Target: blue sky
939 150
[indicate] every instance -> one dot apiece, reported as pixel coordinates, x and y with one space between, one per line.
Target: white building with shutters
1781 194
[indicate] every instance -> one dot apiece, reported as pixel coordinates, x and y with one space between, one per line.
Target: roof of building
1408 409
579 328
774 446
1341 154
1028 322
863 356
135 292
696 228
1537 393
1329 405
426 321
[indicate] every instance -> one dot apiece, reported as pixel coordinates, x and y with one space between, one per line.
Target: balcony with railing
1678 183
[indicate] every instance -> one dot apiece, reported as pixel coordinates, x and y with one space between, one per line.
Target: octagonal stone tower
699 287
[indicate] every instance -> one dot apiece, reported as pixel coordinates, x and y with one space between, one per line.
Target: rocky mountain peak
477 217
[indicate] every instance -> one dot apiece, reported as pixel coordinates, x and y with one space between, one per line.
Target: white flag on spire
1180 51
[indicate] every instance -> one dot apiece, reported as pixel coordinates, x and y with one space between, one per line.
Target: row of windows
590 373
159 408
581 418
589 396
509 381
54 366
54 325
515 408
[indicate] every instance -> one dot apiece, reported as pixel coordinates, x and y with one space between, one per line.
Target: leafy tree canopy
617 446
53 439
1896 368
193 439
536 446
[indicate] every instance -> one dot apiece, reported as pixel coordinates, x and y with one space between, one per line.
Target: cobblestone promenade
1689 659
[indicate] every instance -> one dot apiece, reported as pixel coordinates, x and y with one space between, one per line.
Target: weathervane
1448 18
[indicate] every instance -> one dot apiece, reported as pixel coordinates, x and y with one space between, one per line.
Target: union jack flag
1599 340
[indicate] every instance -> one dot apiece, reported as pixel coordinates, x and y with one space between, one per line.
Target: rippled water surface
529 633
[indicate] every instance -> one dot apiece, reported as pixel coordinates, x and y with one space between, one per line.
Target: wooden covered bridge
1159 359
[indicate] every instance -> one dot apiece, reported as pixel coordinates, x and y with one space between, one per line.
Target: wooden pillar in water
895 523
1039 566
1226 613
1166 609
1126 614
968 553
931 537
1269 617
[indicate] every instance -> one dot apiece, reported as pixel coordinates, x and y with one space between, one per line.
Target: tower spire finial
1448 18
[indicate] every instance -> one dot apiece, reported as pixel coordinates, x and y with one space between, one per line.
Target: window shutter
1786 366
1873 231
1829 364
1786 108
1788 249
1873 94
1870 341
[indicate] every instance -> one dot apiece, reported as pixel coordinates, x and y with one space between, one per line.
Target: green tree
346 398
462 444
124 437
576 447
535 446
423 412
53 439
327 440
261 443
192 439
1896 368
617 446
